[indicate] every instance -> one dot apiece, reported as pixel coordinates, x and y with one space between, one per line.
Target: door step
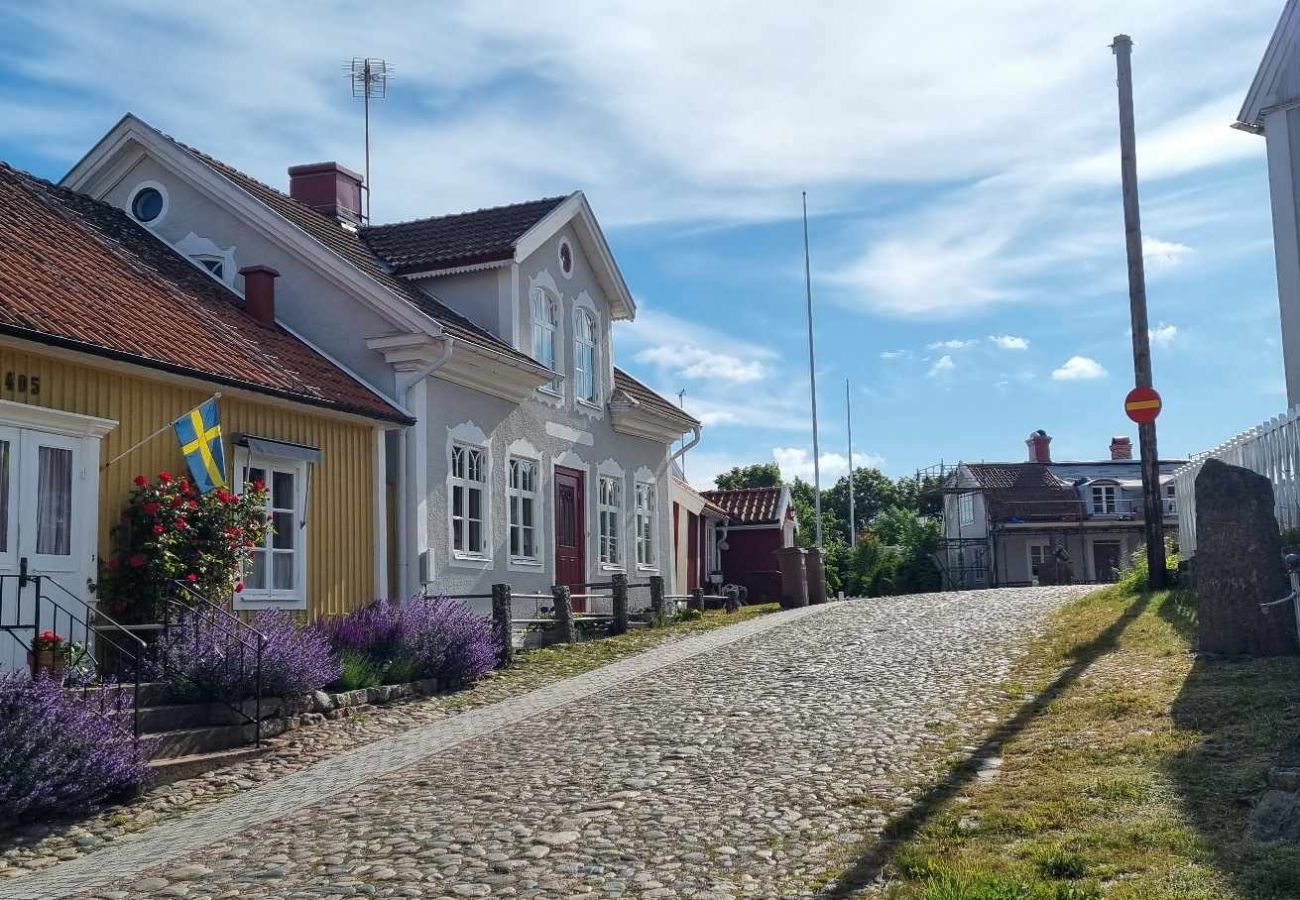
176 768
206 739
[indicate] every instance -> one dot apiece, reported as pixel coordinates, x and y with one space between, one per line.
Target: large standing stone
1239 565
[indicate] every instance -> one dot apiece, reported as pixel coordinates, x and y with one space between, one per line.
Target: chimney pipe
328 188
1121 447
1040 449
259 292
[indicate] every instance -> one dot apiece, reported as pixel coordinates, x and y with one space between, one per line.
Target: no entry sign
1142 405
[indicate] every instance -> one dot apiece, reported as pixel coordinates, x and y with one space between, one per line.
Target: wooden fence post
564 613
502 627
619 625
657 599
697 600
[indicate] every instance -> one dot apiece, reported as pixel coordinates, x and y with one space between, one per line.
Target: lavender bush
205 660
57 756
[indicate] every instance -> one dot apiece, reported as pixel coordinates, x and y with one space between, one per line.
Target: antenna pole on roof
812 378
369 79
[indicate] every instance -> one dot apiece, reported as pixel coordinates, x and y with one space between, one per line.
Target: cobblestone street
752 761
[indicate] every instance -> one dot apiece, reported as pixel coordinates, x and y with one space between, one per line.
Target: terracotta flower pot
50 661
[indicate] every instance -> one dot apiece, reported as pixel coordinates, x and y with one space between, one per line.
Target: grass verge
1127 769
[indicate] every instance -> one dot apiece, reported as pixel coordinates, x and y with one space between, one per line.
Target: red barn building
759 522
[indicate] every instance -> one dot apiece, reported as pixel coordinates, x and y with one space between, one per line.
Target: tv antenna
369 78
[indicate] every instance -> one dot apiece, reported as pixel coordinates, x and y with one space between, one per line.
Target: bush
426 637
205 660
1135 579
356 672
56 755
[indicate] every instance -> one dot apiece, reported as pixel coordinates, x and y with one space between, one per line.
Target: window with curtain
610 514
645 524
521 492
53 502
584 358
279 564
546 322
6 458
468 500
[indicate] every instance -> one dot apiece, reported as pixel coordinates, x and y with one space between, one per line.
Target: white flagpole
812 378
848 417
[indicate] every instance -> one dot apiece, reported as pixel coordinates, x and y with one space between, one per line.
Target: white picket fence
1271 449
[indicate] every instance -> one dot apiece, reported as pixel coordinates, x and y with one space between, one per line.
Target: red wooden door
692 551
570 533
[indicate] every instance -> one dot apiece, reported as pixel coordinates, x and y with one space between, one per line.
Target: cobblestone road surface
751 763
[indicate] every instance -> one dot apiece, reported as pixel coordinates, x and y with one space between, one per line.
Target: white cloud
1163 255
797 462
1009 341
697 363
894 354
1163 334
1079 368
942 366
951 345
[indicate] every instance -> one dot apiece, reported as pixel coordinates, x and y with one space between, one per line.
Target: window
966 509
1171 501
279 565
522 495
610 513
215 265
468 500
645 524
1038 554
546 321
1103 499
148 203
584 358
54 501
565 253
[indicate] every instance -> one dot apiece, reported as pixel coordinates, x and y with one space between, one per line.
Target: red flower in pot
47 654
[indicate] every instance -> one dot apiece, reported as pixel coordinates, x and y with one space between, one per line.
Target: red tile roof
81 274
749 506
1026 491
462 239
649 397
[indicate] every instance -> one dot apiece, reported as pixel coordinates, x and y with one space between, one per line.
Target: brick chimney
1121 447
1040 446
259 292
328 188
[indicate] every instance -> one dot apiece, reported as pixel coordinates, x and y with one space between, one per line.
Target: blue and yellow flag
199 432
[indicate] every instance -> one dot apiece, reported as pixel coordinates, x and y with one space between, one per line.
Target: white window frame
136 191
1171 500
1044 556
966 509
585 320
514 493
646 525
482 556
545 315
559 257
269 597
1110 498
607 512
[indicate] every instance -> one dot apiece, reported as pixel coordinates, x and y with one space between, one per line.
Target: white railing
1271 449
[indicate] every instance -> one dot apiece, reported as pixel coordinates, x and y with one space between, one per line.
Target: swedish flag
199 432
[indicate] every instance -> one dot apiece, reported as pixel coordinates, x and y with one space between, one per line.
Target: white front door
48 508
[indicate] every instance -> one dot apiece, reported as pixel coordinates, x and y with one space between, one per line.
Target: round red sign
1142 405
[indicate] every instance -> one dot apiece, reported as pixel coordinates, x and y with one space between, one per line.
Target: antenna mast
369 78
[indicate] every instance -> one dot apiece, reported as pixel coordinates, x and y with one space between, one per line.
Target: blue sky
961 168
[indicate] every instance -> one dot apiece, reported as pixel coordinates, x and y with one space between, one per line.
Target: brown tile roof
348 244
649 397
462 239
1026 491
749 506
79 273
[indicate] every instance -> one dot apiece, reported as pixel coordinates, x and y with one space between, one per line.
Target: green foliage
1135 579
688 615
401 670
358 672
757 475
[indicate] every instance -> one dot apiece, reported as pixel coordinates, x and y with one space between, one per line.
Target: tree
757 475
872 492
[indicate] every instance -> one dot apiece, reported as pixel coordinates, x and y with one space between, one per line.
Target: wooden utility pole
1153 503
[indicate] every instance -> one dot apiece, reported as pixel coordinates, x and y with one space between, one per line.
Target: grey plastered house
533 458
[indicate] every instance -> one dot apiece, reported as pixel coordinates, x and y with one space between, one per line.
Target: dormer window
1104 502
584 357
546 321
215 266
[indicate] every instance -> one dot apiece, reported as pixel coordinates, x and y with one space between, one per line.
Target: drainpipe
695 439
413 466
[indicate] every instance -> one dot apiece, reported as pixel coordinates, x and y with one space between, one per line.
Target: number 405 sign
22 383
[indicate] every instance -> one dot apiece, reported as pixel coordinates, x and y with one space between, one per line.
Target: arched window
584 358
546 320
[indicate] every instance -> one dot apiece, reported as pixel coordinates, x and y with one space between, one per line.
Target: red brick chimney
328 188
1040 446
1121 447
259 292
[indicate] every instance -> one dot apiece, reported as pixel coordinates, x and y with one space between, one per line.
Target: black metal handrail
185 608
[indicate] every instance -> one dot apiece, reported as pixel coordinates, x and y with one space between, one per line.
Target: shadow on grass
1247 712
904 826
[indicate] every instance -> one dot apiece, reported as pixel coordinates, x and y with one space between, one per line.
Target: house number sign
22 383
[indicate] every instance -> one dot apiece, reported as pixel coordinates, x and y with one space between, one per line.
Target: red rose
181 524
141 481
239 587
192 504
259 485
191 578
158 529
137 560
165 477
151 508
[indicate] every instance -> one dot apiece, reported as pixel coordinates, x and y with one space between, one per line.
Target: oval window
566 258
147 204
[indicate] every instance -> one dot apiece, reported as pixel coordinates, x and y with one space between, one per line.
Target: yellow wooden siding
340 532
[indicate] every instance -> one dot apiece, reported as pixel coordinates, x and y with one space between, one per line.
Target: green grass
1130 774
